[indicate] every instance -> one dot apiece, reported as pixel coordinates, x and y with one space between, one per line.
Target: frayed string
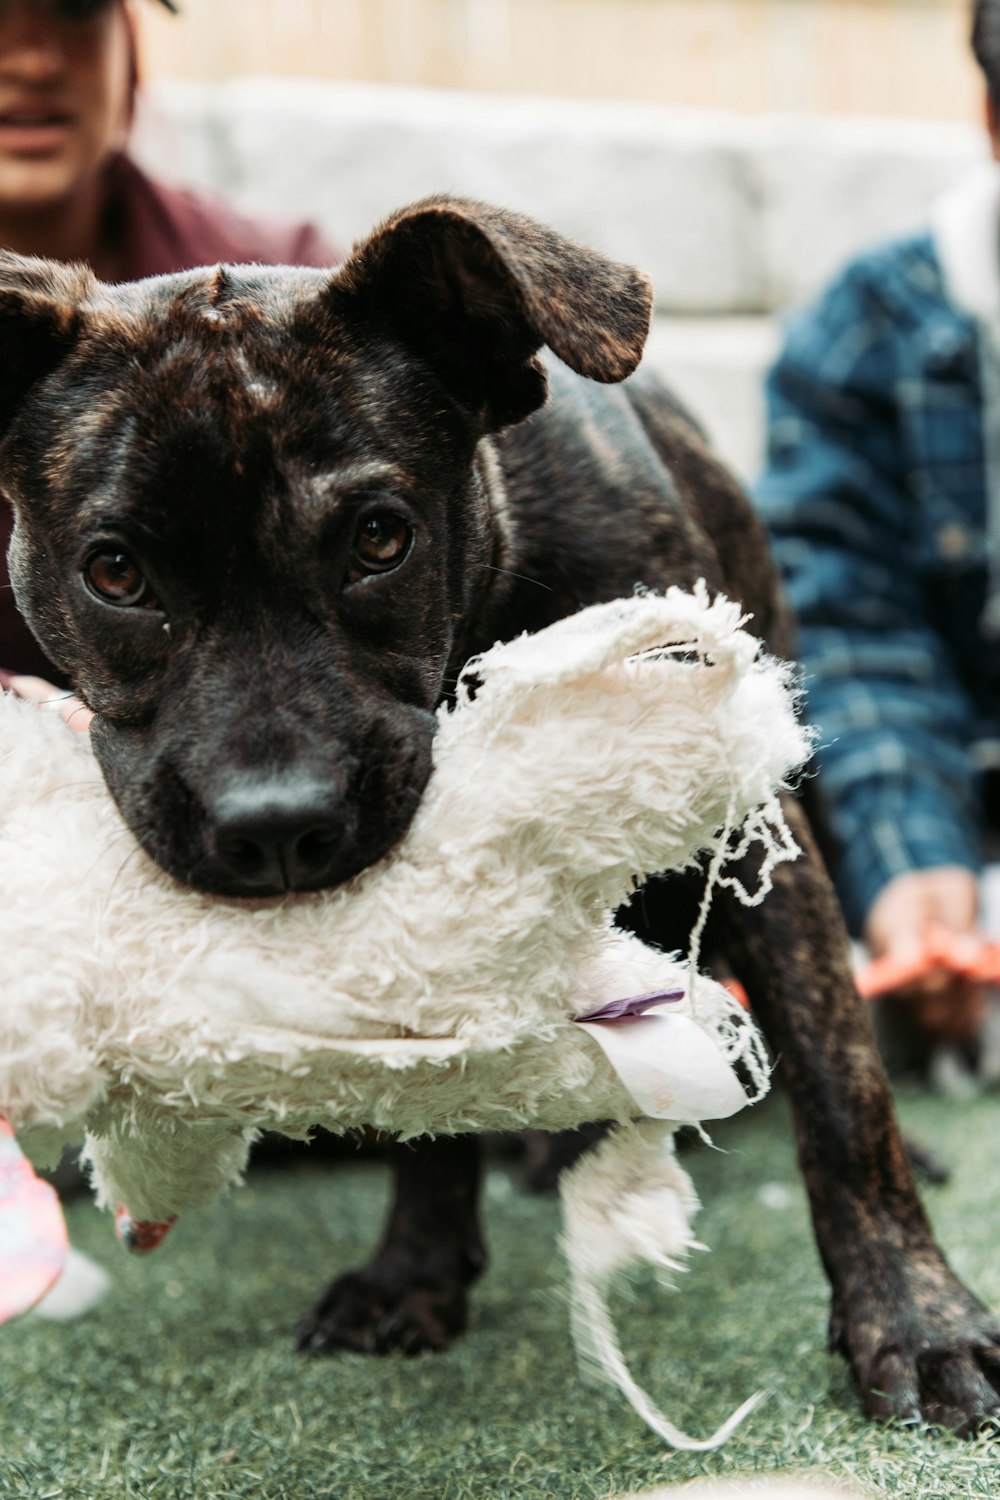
627 1203
596 1339
719 858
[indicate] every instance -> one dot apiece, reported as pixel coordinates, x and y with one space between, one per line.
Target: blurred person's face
65 86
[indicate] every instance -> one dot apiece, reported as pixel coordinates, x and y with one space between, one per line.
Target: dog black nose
276 834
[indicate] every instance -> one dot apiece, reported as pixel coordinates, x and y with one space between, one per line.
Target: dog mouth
217 878
260 839
316 860
275 861
229 824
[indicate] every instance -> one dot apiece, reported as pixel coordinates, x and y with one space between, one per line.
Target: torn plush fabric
438 991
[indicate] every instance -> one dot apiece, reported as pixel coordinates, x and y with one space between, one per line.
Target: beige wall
901 57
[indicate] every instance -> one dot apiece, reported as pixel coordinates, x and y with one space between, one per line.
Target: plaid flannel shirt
875 493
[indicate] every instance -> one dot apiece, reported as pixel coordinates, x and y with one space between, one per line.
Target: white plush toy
441 990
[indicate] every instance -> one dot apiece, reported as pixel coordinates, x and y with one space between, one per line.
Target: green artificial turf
185 1384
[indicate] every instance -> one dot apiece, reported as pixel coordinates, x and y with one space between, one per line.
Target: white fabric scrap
629 1202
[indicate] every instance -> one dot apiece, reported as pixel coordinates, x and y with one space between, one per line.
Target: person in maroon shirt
69 191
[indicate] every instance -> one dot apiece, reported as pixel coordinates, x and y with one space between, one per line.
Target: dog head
252 516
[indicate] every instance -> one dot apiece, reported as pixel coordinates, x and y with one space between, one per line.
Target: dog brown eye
115 578
381 542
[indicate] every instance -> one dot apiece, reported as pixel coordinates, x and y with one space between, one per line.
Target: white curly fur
434 992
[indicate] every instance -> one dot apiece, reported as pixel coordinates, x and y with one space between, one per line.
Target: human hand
59 700
947 1007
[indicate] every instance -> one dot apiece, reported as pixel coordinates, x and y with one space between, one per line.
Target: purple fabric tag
633 1005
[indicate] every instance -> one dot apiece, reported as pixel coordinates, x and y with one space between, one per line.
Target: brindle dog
263 517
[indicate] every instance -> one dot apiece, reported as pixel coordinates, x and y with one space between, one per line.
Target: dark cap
86 10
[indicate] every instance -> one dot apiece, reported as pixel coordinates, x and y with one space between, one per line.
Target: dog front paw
921 1346
388 1305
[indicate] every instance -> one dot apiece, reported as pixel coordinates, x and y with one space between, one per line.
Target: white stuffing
436 991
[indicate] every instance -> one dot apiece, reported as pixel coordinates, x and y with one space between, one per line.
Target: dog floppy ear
478 290
40 321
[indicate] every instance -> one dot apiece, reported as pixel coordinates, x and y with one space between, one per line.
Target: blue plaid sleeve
894 721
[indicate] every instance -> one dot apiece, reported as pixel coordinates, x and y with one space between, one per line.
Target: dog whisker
117 876
68 786
122 833
523 577
109 845
412 796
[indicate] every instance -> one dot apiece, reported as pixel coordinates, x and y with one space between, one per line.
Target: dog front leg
413 1295
920 1345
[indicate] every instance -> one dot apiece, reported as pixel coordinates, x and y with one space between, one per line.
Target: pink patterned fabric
33 1238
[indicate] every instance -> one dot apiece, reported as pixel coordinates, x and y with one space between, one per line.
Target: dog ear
40 321
478 290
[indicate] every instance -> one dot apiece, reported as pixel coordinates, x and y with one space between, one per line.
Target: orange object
737 991
963 955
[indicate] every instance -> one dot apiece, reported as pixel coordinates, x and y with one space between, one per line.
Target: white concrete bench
735 216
